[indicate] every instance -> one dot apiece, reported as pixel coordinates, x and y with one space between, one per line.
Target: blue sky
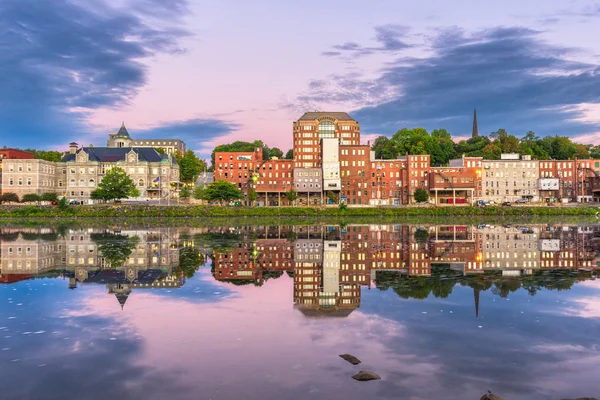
213 72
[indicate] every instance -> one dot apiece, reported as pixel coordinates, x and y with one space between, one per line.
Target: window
28 181
82 182
326 129
92 183
141 183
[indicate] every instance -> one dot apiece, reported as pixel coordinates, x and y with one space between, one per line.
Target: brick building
458 183
354 173
314 126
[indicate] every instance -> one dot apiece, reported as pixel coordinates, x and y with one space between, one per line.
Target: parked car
73 202
54 203
506 204
521 201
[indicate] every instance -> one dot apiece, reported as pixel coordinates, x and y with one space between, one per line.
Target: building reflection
330 264
120 260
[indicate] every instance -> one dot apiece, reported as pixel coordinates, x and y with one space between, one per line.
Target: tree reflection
190 260
115 248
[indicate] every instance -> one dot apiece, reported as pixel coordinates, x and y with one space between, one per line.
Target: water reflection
329 264
439 311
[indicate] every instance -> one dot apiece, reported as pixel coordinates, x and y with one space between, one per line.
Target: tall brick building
314 126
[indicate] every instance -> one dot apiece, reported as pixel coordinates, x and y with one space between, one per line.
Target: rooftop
311 116
123 132
114 154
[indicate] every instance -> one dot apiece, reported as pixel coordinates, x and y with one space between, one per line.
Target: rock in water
490 396
366 376
350 358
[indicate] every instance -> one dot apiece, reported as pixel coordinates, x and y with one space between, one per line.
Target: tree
290 154
421 195
9 197
115 185
252 195
48 155
333 196
222 191
63 204
198 193
49 197
185 192
190 166
582 151
276 152
31 198
291 195
160 150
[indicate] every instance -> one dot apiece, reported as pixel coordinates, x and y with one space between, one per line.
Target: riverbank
156 211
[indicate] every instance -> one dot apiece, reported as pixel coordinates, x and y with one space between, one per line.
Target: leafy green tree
595 151
63 203
421 195
48 155
290 154
384 148
291 195
222 191
190 166
49 197
31 198
582 151
276 152
198 193
115 185
9 197
252 195
333 196
185 193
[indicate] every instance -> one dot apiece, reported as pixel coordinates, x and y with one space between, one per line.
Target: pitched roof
114 154
123 132
311 116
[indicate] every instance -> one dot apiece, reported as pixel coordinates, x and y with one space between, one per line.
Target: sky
212 72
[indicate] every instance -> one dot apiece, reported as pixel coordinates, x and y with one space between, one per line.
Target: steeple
123 132
475 128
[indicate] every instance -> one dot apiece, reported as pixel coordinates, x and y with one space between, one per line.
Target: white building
510 178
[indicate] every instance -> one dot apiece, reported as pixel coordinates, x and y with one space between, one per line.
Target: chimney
73 147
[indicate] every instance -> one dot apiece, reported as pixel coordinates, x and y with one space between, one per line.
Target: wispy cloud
391 38
514 78
61 59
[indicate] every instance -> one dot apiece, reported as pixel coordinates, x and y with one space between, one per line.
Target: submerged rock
350 358
490 396
366 376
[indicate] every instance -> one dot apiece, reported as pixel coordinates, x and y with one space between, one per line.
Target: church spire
475 128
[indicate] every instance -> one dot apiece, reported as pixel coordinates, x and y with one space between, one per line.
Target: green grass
144 211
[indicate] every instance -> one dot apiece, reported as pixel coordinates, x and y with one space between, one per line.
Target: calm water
263 312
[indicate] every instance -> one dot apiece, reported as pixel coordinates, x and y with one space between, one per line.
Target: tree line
440 146
267 152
